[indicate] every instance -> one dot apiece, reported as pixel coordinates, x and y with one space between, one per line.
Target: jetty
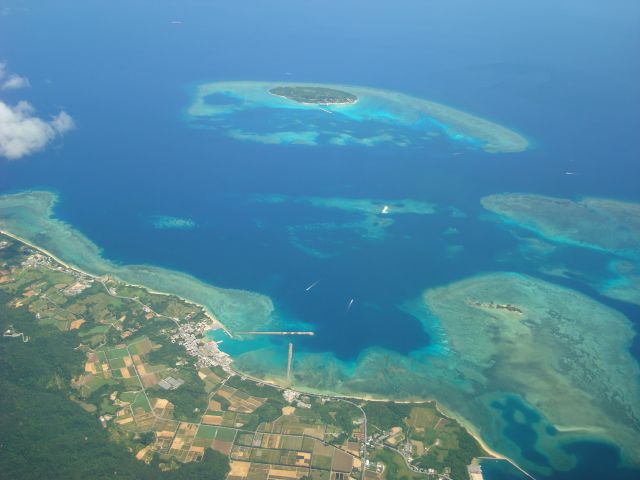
289 360
276 333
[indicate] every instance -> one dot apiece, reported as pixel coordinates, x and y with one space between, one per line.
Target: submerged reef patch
625 282
369 218
606 225
276 138
562 352
168 222
601 223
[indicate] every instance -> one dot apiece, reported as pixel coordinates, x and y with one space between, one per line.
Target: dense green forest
47 436
386 415
456 458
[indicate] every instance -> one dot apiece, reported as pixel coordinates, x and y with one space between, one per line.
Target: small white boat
312 285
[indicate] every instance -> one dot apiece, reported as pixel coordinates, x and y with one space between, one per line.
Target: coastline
470 429
46 252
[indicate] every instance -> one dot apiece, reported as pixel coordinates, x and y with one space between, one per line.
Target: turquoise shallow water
136 156
250 111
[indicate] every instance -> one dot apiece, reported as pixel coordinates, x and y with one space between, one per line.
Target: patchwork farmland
161 388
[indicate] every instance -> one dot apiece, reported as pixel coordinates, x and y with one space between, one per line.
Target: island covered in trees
314 95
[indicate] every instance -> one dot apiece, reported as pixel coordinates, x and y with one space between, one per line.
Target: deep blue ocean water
563 75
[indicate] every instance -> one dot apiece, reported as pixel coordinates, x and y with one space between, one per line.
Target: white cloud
23 133
11 81
15 81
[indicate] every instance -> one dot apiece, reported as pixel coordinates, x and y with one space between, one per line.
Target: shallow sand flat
30 216
625 285
611 226
600 223
373 104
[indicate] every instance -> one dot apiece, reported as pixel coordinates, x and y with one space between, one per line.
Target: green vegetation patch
226 434
140 346
141 402
319 474
252 388
386 415
117 363
423 417
245 439
457 450
115 353
307 444
207 431
292 443
314 94
321 462
396 468
92 385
